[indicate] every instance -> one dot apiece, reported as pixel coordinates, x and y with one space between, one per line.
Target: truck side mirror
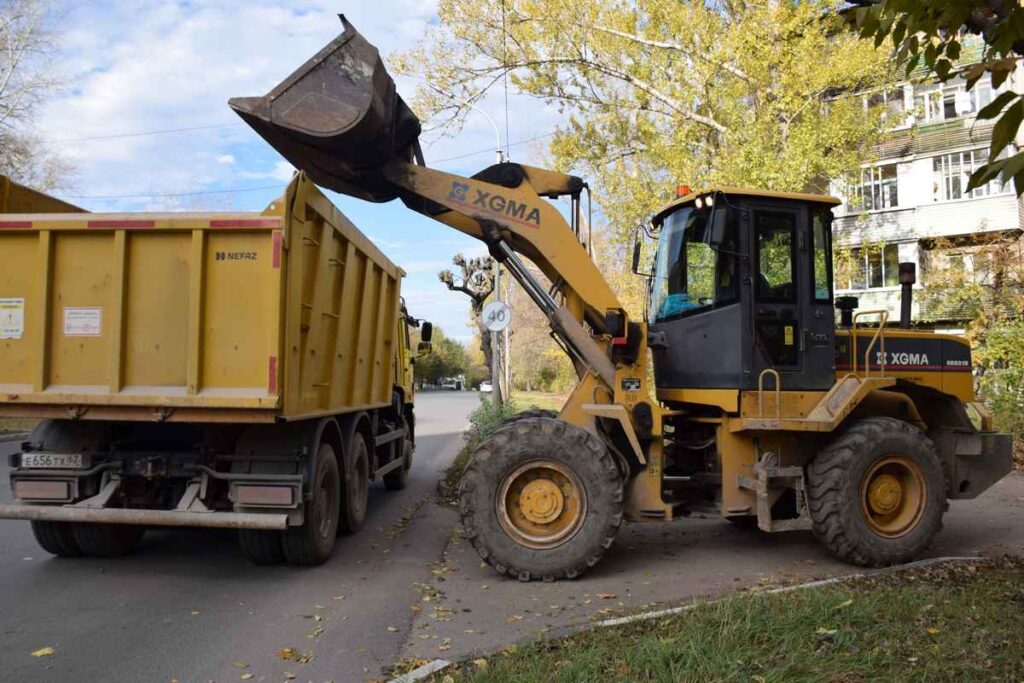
426 333
715 233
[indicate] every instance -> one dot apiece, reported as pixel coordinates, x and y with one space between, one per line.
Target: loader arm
513 219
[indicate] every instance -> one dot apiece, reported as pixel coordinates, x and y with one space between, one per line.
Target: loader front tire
56 538
877 493
541 499
311 543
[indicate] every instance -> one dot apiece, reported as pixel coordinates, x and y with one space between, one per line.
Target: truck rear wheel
357 487
312 542
56 538
541 499
395 480
107 540
877 493
261 547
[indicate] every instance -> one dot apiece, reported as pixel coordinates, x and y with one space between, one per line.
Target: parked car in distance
486 387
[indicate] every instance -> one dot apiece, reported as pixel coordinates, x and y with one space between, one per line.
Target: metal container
196 317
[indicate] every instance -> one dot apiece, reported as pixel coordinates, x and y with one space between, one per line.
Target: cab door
791 326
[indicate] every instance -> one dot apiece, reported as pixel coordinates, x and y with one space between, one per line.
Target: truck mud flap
209 520
339 118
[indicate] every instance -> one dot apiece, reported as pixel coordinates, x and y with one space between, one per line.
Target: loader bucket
338 118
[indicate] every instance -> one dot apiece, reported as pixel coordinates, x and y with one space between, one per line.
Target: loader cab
742 282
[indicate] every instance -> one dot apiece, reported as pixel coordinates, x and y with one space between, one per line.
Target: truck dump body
250 317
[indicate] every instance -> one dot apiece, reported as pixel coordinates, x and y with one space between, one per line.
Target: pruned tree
26 80
475 279
662 92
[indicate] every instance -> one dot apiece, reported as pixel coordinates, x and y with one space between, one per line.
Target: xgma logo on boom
494 203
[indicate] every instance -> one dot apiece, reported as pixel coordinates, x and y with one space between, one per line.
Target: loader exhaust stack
339 118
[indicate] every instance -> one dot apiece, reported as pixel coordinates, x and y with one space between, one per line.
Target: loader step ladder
771 478
834 405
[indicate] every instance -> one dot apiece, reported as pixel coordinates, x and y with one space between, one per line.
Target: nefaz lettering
902 358
235 256
495 203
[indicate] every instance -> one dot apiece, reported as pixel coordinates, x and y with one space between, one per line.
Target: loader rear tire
107 540
311 543
56 538
541 499
261 547
877 493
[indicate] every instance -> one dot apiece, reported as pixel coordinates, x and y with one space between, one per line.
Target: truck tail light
28 489
263 494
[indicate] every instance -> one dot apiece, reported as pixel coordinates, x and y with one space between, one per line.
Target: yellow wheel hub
541 501
541 504
893 496
885 494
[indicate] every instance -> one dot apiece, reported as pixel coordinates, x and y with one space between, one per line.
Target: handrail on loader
878 337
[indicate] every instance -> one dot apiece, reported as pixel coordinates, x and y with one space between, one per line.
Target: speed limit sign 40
497 315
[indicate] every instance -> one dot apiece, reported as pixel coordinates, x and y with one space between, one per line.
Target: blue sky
133 68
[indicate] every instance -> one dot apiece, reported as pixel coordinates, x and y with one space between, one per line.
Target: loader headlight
699 201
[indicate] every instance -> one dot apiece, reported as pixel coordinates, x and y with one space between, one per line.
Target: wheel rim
541 504
893 494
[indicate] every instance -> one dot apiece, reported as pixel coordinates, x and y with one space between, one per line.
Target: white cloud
226 159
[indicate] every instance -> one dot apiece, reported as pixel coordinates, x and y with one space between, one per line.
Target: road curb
19 436
438 665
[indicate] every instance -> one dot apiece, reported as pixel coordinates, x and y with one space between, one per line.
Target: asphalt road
187 606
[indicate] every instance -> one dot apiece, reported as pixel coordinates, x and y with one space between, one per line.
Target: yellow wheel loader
764 409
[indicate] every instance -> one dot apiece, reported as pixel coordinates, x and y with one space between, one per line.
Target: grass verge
952 622
539 399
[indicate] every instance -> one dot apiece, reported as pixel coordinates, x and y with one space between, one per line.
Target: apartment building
911 202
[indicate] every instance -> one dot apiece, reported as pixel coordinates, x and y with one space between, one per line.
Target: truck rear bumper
209 520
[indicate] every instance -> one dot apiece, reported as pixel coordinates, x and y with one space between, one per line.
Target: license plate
56 461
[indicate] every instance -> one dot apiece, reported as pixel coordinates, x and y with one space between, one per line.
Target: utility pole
496 336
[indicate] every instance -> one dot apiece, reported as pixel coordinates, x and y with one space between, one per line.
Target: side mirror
426 333
638 245
715 232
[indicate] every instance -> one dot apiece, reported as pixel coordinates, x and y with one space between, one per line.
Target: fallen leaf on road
446 644
246 677
286 653
195 612
392 629
932 630
337 597
43 652
318 617
607 596
242 665
514 617
289 675
416 607
319 607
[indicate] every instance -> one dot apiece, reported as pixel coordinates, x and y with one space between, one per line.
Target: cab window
821 256
776 242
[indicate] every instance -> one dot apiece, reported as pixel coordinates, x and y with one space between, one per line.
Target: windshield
688 276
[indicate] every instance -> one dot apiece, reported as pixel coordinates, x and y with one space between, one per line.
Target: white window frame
863 254
874 186
958 166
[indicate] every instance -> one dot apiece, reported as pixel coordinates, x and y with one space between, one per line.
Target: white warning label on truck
12 318
83 322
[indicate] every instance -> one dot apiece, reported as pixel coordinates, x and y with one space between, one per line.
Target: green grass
539 399
948 623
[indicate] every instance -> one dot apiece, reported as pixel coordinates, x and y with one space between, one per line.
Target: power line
164 131
151 195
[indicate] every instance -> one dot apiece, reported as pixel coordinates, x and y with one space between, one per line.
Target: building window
953 171
874 267
944 102
895 108
878 188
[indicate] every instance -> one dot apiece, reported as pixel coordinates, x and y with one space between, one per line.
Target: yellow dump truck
234 370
